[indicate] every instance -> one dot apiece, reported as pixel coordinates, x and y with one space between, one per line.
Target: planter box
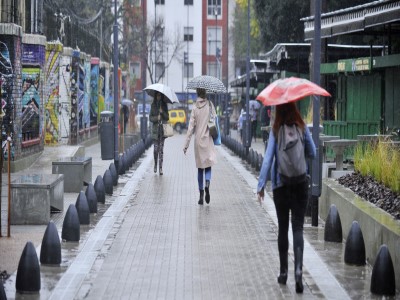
76 170
378 227
33 196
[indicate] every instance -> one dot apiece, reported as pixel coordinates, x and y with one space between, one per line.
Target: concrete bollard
100 189
3 295
383 278
82 207
121 166
91 197
354 253
108 184
28 273
333 226
71 226
50 250
114 173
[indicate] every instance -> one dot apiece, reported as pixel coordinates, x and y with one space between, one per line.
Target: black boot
155 163
283 259
201 197
207 191
298 269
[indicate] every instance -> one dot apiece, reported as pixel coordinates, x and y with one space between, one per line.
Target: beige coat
204 149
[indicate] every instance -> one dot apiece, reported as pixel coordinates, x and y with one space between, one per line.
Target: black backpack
292 166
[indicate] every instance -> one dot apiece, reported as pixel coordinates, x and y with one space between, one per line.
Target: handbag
211 125
217 140
168 131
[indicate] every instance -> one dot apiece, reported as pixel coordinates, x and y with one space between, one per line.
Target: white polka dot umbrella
210 83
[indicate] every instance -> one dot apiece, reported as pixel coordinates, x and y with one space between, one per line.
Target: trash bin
106 131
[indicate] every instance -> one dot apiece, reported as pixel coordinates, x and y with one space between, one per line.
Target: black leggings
292 199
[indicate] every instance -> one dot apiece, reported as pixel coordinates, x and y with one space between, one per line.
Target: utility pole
247 135
116 86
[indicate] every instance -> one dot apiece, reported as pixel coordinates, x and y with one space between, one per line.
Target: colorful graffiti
6 89
30 103
87 94
52 96
101 105
94 94
81 96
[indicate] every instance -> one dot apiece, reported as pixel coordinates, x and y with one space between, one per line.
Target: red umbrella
288 90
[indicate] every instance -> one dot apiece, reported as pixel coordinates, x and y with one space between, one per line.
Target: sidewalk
152 240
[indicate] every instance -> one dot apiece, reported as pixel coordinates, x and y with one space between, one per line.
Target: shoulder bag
212 127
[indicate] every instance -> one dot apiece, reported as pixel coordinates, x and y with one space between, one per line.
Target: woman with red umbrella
290 194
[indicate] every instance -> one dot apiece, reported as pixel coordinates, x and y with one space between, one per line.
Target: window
214 40
212 69
188 34
160 70
134 3
188 2
173 114
188 70
214 7
159 2
134 69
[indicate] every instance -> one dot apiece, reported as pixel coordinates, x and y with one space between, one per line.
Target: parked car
177 117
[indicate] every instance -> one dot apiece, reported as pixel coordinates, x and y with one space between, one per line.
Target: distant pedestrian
253 119
289 199
158 116
204 149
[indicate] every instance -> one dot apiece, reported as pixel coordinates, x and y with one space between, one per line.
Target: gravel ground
369 189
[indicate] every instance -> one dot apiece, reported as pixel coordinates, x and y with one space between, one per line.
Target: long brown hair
287 114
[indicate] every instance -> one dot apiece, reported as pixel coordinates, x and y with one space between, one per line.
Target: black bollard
108 184
71 226
91 197
3 295
114 173
333 226
383 278
121 165
354 253
50 250
28 273
100 189
82 207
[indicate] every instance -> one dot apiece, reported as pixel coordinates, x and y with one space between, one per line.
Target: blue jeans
200 175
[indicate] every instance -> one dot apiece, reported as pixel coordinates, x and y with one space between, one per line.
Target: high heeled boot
207 189
298 269
201 197
283 259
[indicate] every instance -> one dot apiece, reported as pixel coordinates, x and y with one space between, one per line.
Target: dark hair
287 114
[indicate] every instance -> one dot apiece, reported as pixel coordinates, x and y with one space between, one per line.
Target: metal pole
246 132
155 40
116 86
9 186
316 188
143 122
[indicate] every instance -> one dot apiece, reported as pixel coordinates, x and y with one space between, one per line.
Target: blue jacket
269 168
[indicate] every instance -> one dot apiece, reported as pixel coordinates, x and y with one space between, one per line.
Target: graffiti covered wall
94 90
65 95
53 53
31 102
74 122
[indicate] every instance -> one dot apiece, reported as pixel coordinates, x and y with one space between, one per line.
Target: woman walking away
204 150
158 116
289 190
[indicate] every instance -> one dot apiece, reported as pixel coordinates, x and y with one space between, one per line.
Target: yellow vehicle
177 117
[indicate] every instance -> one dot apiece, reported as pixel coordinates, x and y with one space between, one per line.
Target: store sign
354 65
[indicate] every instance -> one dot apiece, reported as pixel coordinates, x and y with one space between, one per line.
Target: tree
146 42
239 32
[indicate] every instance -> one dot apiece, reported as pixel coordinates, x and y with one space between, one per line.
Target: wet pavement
151 240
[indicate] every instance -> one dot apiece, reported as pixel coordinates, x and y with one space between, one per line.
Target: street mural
94 94
52 97
30 103
86 107
75 70
64 99
101 103
81 96
6 88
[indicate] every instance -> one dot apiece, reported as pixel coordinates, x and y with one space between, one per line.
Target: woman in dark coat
158 116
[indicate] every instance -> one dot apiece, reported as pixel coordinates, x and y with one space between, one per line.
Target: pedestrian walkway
153 241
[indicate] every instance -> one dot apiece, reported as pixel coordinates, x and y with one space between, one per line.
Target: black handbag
212 127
